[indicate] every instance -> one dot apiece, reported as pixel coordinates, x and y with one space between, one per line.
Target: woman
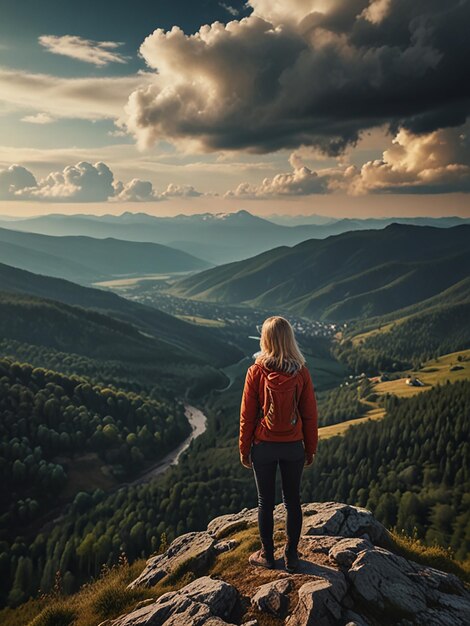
278 425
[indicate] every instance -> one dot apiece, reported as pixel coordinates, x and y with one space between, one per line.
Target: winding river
198 422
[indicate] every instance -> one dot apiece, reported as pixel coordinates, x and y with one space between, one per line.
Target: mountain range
351 275
214 237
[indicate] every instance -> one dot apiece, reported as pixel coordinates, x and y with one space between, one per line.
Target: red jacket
253 429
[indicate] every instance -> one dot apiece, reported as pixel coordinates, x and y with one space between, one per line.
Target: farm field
434 372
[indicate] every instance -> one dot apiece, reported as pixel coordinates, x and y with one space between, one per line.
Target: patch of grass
114 598
59 614
105 597
435 556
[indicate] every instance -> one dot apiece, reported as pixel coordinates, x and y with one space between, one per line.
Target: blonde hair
279 349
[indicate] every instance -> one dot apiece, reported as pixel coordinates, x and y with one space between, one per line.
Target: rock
224 524
167 606
271 597
201 602
316 544
217 594
389 583
380 578
252 622
344 552
344 520
319 602
195 549
225 546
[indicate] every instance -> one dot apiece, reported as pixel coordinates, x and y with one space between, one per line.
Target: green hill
351 275
199 343
87 259
406 342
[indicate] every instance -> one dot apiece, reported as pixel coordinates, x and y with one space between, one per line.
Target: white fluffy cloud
305 72
83 182
302 181
437 162
13 180
135 190
96 52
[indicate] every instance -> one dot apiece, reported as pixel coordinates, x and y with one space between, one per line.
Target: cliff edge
349 575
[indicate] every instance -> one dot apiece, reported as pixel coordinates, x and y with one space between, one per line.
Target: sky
347 108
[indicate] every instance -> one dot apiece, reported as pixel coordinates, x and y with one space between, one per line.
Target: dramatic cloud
97 52
83 182
302 181
437 162
306 72
83 98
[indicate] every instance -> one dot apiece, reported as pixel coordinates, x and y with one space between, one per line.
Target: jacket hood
278 378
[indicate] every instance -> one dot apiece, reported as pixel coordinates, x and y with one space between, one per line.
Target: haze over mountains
355 274
87 259
214 237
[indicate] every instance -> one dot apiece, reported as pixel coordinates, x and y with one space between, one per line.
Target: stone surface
271 597
203 601
195 548
319 602
220 526
344 552
217 594
225 546
343 520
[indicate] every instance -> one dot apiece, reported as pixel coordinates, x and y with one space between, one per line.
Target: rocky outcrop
191 550
202 601
348 575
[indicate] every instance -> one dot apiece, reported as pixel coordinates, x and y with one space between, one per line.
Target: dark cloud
314 73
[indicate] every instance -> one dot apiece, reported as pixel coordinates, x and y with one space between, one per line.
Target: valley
134 384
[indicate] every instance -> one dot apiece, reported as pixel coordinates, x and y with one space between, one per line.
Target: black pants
265 457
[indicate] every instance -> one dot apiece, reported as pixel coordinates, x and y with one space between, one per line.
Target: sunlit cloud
302 181
302 72
87 98
437 162
96 52
84 182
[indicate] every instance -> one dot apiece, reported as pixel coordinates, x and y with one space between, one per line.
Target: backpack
283 412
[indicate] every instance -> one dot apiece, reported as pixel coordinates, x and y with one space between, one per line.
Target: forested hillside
409 468
352 275
408 342
50 424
